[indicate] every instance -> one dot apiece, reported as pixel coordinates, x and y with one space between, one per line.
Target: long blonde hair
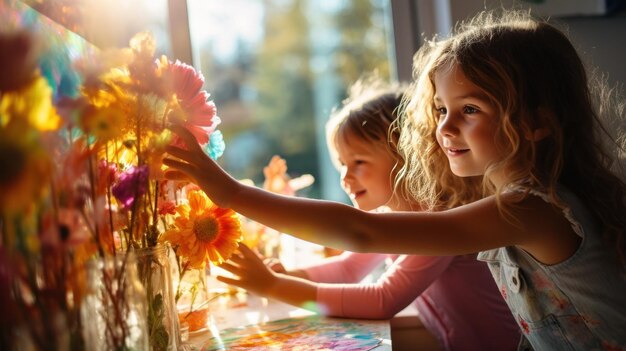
367 114
426 174
533 75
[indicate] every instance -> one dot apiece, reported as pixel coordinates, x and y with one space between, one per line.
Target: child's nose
346 175
447 125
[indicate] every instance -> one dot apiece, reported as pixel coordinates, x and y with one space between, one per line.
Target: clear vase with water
192 298
155 274
113 310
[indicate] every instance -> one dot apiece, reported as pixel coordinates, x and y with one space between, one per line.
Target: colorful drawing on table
295 334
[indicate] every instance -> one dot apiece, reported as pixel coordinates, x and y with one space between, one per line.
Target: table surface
240 309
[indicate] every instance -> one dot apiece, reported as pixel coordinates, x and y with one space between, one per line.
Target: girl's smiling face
365 172
468 123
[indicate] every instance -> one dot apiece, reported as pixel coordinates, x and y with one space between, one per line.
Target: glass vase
192 298
113 310
155 274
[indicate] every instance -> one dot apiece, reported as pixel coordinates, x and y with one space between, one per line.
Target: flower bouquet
82 179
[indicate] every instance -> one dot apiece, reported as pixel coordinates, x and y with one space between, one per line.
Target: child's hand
192 164
275 265
250 272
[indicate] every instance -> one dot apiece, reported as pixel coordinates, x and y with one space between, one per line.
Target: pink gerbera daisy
195 111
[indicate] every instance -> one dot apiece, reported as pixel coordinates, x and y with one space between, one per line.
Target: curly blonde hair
533 75
367 113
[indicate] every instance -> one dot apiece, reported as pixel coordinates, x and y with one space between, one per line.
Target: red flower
167 207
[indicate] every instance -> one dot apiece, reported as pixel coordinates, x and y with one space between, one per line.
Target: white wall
600 39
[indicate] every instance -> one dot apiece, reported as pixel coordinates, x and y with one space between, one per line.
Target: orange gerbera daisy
202 231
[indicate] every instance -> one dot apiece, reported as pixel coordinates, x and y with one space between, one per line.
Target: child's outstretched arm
284 213
402 283
540 228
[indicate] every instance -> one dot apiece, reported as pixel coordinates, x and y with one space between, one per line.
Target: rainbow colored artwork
299 334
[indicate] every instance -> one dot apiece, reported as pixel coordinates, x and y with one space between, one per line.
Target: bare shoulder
547 234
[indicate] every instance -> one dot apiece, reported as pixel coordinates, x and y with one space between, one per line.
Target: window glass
276 68
104 24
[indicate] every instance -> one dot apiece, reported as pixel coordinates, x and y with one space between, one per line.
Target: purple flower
131 183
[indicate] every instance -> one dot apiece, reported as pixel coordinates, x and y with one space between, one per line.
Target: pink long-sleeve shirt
456 296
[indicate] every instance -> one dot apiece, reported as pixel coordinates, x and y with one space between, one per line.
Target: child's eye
469 110
441 111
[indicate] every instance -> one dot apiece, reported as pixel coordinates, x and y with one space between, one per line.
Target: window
276 68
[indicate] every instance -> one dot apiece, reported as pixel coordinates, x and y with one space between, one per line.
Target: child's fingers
187 137
275 265
231 268
171 174
252 259
241 244
247 252
179 153
179 166
229 281
240 260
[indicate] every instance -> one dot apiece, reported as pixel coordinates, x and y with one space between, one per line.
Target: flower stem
92 185
181 273
108 194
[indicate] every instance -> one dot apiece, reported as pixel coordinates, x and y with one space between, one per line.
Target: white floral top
578 304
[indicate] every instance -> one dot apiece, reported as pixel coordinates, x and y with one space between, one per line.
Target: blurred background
276 68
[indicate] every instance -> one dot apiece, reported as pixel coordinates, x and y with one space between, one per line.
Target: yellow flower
120 150
32 103
26 167
203 231
155 151
104 123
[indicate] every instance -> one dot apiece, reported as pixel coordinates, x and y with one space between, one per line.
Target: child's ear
541 131
539 134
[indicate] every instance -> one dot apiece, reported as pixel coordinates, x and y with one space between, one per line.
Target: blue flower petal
216 146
